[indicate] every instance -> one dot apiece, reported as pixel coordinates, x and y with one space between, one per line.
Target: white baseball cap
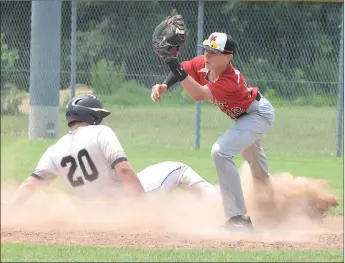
220 43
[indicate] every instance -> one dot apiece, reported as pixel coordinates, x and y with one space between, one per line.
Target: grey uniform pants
245 137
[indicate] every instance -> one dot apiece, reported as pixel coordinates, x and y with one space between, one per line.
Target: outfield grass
298 131
20 253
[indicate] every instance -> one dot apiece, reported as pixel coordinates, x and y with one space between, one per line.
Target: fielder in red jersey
212 77
230 92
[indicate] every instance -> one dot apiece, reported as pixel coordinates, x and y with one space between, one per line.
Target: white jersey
84 159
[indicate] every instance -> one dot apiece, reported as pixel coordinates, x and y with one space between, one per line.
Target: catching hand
157 92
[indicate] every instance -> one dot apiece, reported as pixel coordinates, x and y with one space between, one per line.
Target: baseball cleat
241 223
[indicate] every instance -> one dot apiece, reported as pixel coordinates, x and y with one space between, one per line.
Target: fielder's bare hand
157 92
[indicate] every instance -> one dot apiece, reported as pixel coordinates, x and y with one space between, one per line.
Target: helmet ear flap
97 117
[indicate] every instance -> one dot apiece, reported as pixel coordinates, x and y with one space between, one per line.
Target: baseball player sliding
92 163
212 77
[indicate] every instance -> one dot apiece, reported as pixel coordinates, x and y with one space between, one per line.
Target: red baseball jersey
230 91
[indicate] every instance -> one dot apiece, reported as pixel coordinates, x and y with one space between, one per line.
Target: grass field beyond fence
298 130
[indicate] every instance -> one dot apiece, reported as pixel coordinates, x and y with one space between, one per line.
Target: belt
257 98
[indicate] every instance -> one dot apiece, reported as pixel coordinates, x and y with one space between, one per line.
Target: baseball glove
168 36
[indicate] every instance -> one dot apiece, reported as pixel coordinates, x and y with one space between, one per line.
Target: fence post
199 52
341 87
73 47
45 68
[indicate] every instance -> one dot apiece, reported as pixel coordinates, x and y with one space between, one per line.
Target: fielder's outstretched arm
167 39
196 91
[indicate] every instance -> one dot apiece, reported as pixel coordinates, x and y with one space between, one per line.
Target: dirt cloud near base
283 216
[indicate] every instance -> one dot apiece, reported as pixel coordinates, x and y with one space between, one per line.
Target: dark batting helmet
85 108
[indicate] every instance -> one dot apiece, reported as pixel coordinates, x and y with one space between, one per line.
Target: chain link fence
290 50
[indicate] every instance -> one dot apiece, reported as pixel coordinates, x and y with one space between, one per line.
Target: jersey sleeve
46 169
192 67
111 146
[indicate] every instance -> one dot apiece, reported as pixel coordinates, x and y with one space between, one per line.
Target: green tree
8 55
11 97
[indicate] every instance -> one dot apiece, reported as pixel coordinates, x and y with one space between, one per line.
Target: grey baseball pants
245 137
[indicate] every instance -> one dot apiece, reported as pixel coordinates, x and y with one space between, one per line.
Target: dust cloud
288 209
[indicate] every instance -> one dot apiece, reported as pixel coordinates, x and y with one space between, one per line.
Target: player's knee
218 154
215 151
203 189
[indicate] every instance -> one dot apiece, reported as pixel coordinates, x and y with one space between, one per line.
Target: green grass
19 252
298 131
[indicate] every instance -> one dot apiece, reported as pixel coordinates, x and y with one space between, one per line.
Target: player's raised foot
239 224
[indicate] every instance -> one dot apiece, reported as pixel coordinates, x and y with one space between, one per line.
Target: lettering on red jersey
220 104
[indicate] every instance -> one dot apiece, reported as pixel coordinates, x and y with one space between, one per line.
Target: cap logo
213 38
